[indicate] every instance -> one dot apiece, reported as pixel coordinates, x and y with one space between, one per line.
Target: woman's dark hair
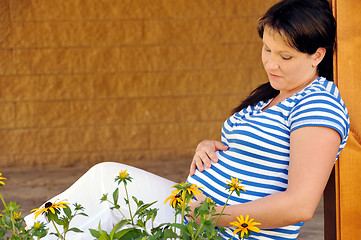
306 25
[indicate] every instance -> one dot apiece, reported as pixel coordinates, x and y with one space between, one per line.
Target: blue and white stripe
259 147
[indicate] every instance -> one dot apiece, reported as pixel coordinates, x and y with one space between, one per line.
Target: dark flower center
48 204
244 225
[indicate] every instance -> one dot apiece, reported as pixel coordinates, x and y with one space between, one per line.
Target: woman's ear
318 56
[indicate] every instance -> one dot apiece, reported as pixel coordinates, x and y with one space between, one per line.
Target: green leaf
75 229
129 233
94 233
145 206
118 226
2 233
67 211
116 196
168 233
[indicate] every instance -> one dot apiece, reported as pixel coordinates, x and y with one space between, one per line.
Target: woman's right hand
206 154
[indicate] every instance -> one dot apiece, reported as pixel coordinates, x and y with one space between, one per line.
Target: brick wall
85 81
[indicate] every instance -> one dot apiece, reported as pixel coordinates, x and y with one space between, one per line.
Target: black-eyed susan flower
2 183
52 207
244 226
235 185
123 177
175 199
193 189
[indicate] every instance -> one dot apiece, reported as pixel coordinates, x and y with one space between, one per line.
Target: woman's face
288 70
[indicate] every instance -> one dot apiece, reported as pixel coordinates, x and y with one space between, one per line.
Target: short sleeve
320 109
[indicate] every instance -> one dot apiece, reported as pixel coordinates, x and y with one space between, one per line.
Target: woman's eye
286 57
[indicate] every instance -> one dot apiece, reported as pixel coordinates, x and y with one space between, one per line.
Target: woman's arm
312 156
205 155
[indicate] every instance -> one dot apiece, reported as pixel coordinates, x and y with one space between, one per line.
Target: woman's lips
274 75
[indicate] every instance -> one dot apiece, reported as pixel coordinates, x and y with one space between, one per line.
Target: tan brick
25 141
170 31
18 88
174 83
189 109
6 162
200 8
46 10
23 10
82 139
7 145
247 8
42 114
49 61
6 62
214 108
258 76
24 34
224 82
60 34
39 160
104 60
7 117
113 33
150 110
122 137
122 85
97 112
4 10
53 140
65 87
235 100
193 133
32 61
85 158
206 30
242 29
165 136
5 33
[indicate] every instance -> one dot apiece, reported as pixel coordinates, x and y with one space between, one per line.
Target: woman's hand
205 155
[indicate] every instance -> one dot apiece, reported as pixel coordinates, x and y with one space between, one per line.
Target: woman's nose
272 63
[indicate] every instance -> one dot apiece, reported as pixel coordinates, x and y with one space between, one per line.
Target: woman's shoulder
320 90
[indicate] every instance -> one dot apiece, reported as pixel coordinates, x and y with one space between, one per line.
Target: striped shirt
259 147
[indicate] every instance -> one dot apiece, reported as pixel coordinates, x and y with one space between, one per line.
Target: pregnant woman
281 141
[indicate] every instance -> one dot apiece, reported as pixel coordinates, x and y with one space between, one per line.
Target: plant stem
12 221
199 230
224 206
57 230
183 206
130 212
5 206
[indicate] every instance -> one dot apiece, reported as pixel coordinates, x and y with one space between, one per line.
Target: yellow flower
123 174
244 226
37 225
235 185
123 177
17 215
209 200
175 199
193 189
2 178
49 206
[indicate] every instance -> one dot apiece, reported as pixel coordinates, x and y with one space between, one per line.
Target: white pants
99 180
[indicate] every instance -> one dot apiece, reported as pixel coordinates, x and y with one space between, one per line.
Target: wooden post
343 194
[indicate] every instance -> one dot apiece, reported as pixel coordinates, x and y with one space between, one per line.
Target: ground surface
30 187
